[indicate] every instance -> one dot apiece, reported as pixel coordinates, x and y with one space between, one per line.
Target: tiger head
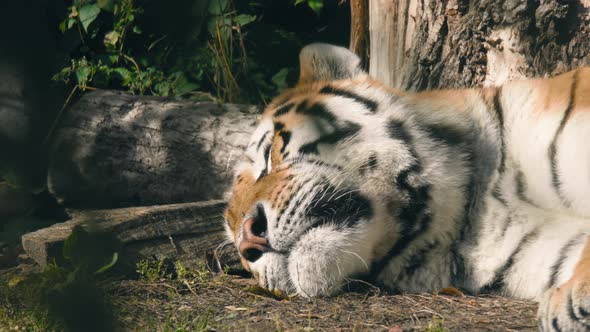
315 201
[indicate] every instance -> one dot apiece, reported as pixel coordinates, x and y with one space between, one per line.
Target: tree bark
113 149
359 30
389 25
432 44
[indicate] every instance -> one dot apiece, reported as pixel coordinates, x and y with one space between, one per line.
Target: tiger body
483 189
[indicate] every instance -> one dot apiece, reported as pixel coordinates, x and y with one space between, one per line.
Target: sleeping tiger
483 189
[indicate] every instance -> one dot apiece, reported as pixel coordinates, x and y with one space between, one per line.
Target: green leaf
72 242
280 78
316 5
217 7
244 19
186 87
111 38
113 58
109 264
88 14
62 26
162 88
71 22
83 74
124 74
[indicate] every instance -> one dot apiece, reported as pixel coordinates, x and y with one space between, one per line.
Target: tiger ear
325 62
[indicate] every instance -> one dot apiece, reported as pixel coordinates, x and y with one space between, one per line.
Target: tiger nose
254 242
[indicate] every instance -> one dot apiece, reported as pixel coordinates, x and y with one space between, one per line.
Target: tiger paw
565 308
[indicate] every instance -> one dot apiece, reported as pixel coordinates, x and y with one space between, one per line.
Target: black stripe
500 275
338 205
294 191
414 220
309 148
397 131
570 308
284 109
506 225
446 134
553 146
317 110
499 111
497 193
372 162
278 125
474 202
274 198
369 104
266 156
556 267
348 130
286 136
555 325
317 162
571 313
415 216
283 209
583 312
330 205
418 259
521 188
296 206
262 140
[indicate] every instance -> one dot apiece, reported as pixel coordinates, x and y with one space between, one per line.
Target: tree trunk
113 149
359 30
189 232
429 44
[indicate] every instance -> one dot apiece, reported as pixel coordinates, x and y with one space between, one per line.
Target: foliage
154 270
65 296
151 270
436 325
100 31
215 51
315 5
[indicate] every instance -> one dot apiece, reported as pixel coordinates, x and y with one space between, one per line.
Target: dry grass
230 303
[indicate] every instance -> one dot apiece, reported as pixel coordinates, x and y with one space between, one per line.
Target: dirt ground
207 302
232 305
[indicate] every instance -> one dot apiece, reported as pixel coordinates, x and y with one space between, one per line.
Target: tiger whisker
358 256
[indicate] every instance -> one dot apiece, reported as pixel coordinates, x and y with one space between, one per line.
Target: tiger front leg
567 307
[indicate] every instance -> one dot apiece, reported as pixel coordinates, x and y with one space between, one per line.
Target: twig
59 115
189 287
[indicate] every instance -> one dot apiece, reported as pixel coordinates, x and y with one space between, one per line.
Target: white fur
515 215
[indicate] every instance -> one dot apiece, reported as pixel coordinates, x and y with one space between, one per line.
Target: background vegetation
224 50
218 50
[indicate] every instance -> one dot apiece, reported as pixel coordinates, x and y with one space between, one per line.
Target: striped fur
483 189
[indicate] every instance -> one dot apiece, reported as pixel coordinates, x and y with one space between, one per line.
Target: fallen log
189 232
113 149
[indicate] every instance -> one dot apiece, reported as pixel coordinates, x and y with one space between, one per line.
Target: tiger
483 189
